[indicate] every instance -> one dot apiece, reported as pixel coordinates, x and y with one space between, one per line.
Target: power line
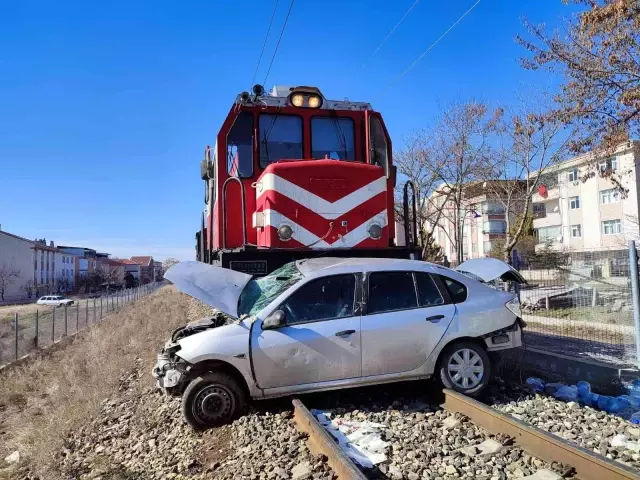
429 49
278 44
266 37
389 34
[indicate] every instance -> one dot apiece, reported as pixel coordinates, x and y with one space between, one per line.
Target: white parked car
329 323
55 300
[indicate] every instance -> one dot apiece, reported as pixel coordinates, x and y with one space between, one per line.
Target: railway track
578 462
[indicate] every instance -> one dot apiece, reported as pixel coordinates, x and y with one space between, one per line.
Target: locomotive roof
279 94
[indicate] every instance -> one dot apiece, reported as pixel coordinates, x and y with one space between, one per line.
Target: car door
406 316
320 341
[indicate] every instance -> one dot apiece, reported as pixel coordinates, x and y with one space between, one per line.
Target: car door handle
345 333
434 318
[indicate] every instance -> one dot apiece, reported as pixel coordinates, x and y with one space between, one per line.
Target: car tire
211 400
455 358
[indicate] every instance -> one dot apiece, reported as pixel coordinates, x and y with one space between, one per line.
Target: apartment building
579 207
481 220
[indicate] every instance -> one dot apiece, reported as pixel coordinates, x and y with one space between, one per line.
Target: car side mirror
276 320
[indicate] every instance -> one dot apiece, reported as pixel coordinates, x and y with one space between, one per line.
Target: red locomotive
294 175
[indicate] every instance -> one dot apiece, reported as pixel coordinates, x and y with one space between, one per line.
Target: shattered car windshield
259 292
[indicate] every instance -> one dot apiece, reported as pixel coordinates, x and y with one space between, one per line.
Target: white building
65 270
16 266
579 207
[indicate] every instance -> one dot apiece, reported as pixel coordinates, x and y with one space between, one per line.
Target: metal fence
25 328
582 307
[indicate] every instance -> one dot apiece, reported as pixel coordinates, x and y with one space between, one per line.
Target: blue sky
105 107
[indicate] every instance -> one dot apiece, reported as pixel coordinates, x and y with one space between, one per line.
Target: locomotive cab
294 175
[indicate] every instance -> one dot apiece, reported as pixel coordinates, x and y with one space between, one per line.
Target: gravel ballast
427 442
140 434
590 428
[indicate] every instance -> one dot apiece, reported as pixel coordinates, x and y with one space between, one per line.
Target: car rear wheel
211 400
465 367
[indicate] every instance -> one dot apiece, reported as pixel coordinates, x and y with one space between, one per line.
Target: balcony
548 220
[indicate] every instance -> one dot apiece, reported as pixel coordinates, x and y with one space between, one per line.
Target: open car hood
489 269
215 286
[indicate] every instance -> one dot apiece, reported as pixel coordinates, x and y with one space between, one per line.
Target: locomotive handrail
405 211
224 212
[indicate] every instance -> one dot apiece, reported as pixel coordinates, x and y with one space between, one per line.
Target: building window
547 234
609 196
574 203
494 226
539 210
576 231
572 176
611 227
474 248
609 165
492 208
487 247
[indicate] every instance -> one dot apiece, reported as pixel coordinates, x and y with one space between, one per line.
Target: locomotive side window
379 147
332 137
240 146
280 137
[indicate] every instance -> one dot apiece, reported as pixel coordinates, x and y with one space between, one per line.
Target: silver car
330 323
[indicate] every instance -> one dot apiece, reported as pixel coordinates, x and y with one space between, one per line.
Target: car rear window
428 293
389 291
457 291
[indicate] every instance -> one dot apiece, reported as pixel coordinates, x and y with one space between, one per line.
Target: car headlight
375 231
285 232
514 306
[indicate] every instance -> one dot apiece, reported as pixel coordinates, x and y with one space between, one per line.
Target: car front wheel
211 400
465 367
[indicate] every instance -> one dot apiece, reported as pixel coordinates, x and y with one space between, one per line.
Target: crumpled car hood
215 286
489 269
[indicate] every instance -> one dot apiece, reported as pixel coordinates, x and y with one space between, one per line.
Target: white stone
450 422
301 471
490 446
543 474
13 457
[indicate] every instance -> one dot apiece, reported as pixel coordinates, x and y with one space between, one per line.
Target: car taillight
514 306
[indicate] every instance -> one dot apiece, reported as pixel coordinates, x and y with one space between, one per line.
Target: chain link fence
582 307
25 328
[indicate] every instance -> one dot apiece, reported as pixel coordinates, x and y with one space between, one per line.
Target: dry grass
41 402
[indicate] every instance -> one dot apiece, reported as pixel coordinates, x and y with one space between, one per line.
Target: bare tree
111 274
168 263
599 57
8 275
532 143
29 288
461 146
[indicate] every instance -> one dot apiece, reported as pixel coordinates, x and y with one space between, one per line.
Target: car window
428 293
390 291
321 299
457 291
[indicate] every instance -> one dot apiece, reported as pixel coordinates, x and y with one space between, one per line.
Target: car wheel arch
206 366
478 341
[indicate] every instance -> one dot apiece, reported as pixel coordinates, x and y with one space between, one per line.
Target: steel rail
320 441
587 464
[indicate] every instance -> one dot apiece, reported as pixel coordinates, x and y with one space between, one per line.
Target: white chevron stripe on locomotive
325 208
304 236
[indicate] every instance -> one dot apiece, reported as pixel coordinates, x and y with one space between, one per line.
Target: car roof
314 266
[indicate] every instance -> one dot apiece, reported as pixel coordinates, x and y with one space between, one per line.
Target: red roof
144 260
126 261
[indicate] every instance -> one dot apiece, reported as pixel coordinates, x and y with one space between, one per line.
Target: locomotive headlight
297 100
285 232
314 101
375 231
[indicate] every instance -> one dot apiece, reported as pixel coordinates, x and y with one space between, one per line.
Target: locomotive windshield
280 137
332 137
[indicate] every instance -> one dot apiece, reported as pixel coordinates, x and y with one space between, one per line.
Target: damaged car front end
170 370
